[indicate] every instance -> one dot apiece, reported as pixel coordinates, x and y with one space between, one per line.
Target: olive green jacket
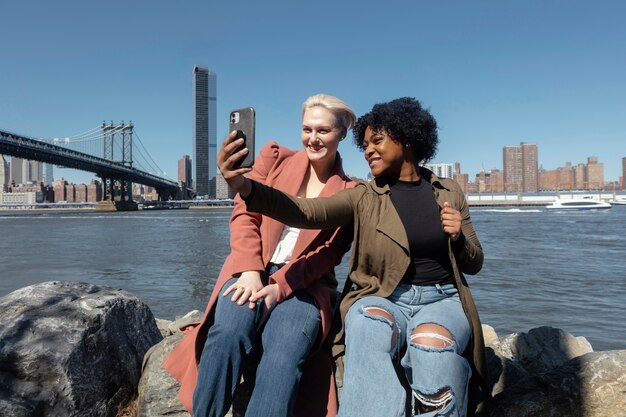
380 254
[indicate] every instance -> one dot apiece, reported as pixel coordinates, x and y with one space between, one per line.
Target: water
561 269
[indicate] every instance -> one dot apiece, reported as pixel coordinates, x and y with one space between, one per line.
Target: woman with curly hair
406 300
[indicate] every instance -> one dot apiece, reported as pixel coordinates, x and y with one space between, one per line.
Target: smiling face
321 134
384 155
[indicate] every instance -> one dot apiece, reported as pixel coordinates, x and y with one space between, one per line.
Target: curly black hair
406 121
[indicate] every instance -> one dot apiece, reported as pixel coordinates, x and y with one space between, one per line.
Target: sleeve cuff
250 196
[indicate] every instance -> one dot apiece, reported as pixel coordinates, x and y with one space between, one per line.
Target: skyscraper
512 164
15 171
521 168
623 173
4 173
184 171
48 174
205 130
23 171
441 170
530 167
594 174
212 133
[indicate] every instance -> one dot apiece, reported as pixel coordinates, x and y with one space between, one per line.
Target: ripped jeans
436 372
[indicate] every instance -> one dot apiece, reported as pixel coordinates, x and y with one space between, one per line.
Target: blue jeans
371 386
287 338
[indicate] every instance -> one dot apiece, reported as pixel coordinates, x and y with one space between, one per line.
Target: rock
194 316
71 349
74 349
591 385
158 391
163 326
545 348
503 372
168 327
490 336
548 372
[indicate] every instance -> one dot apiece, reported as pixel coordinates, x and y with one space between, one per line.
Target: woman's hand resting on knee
270 296
248 284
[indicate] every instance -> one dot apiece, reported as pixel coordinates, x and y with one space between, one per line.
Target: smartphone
257 311
243 121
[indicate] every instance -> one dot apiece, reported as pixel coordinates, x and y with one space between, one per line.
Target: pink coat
253 241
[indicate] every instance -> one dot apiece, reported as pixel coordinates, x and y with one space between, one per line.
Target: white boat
584 203
619 201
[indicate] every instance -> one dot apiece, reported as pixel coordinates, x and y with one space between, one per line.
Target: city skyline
492 74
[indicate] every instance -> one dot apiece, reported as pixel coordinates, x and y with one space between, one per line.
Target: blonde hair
344 114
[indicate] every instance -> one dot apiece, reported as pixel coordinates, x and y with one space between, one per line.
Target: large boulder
548 372
158 391
544 348
591 385
71 349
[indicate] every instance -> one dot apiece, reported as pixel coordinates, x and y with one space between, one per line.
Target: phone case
243 121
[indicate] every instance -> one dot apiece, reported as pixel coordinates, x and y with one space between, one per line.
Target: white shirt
282 254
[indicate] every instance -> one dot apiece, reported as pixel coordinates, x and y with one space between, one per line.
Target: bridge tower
122 135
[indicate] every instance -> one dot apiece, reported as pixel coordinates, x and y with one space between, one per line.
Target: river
559 269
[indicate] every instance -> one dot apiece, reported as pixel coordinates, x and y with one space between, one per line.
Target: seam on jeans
311 312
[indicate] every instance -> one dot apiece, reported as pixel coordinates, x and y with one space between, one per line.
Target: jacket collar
390 223
383 184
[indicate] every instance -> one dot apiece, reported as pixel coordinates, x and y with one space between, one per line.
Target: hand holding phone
243 121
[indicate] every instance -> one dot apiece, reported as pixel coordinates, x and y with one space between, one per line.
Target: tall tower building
212 133
594 174
441 170
48 173
530 167
4 173
512 164
15 171
184 171
623 173
205 130
23 171
521 168
579 177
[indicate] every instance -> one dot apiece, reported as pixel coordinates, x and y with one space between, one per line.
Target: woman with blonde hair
290 273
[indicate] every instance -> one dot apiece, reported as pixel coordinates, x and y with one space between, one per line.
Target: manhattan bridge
114 152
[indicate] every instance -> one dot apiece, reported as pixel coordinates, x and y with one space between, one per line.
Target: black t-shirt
415 203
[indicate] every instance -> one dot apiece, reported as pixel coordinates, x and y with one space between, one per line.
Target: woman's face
320 134
384 155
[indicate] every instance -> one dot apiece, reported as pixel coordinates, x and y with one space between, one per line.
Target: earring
407 145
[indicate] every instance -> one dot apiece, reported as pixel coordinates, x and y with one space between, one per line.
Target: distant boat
585 203
620 201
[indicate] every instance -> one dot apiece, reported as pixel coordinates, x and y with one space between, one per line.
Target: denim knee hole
448 342
366 311
437 401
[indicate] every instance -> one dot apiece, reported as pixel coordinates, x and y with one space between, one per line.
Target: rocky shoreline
77 349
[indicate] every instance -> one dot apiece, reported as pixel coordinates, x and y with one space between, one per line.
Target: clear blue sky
493 73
